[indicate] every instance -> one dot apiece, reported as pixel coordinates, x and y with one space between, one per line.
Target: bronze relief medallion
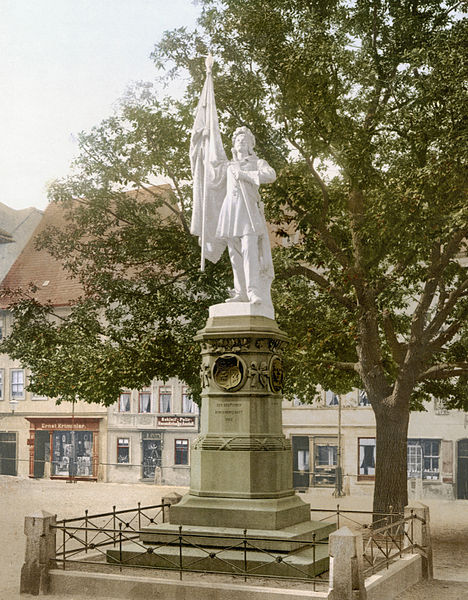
276 374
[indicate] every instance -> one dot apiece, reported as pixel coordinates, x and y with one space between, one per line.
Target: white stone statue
227 210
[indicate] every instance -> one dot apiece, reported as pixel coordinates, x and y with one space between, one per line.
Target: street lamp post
338 491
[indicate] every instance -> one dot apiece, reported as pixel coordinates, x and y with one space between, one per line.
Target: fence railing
114 539
92 532
343 517
386 536
383 545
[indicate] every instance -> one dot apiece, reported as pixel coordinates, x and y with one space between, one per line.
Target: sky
63 66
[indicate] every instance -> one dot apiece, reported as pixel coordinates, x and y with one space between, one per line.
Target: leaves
359 106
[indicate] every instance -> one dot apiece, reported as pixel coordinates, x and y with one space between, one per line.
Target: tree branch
346 366
445 371
445 311
449 333
337 294
397 348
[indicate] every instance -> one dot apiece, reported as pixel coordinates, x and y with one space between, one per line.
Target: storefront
64 448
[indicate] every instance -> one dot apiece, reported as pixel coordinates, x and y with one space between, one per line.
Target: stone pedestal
241 464
241 493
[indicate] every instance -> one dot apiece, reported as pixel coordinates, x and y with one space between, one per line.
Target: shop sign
66 426
150 435
174 421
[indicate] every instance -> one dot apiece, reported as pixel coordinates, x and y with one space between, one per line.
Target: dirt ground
20 497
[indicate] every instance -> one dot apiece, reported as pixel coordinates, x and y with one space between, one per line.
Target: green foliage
360 107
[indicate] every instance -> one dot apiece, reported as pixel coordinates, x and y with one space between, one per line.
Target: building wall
151 436
18 419
435 439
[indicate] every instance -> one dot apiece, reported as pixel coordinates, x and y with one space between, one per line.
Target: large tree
360 108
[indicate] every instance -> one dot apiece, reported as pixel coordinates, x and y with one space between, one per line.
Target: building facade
149 434
339 431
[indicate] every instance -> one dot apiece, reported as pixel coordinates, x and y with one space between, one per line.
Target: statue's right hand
234 169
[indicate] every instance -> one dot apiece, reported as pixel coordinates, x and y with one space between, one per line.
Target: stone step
287 539
305 563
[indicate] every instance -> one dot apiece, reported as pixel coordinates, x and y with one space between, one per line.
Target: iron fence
113 539
383 545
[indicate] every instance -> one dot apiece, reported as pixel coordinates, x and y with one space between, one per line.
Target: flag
207 158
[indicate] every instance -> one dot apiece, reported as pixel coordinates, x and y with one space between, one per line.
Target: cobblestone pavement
20 497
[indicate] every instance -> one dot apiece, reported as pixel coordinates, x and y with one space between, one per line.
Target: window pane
367 456
123 450
165 396
181 452
363 399
423 459
145 402
72 453
188 405
124 402
331 399
303 460
17 383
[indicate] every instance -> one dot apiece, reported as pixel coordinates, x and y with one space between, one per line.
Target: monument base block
259 513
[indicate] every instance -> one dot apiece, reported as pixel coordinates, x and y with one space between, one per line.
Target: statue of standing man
227 209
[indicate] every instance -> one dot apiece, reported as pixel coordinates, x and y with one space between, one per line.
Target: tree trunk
391 491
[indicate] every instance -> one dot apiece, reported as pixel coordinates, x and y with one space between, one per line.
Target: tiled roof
39 268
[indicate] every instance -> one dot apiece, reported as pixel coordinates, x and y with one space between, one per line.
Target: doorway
462 470
8 454
41 452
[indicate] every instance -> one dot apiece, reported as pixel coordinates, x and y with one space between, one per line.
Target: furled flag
209 189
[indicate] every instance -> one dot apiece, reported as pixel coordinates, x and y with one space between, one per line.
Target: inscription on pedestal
230 410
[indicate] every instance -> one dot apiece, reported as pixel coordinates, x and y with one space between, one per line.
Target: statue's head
243 138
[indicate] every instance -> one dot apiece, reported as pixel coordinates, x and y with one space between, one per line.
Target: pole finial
209 63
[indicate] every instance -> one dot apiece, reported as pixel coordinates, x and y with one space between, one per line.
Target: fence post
346 566
172 498
40 550
421 535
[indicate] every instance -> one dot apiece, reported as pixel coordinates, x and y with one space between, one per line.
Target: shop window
124 402
363 400
188 405
366 458
181 452
165 397
325 461
72 453
17 383
424 459
144 400
331 399
123 451
301 458
1 384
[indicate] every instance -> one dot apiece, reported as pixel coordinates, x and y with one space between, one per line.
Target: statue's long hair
250 139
